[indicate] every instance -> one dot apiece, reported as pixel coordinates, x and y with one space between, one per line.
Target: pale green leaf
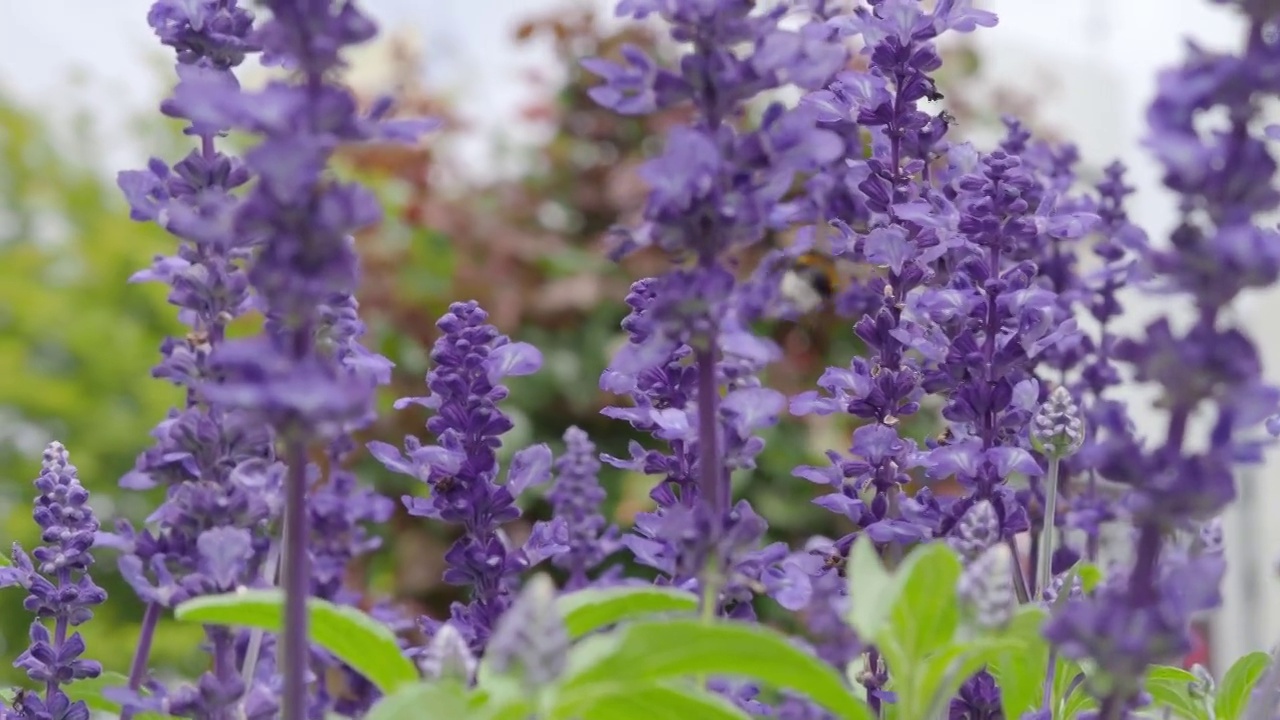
1171 687
368 646
444 699
657 651
626 700
587 610
1237 685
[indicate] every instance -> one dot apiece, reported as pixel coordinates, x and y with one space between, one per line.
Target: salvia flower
59 588
1057 428
216 462
986 588
977 531
713 188
531 639
471 358
1210 367
576 498
448 657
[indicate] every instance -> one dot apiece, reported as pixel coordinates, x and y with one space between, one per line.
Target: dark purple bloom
471 358
1225 177
978 699
59 588
576 497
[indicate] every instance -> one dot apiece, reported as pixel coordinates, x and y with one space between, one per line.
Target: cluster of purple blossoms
970 311
471 358
1224 175
59 588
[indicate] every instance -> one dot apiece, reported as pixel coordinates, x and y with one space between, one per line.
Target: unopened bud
448 657
977 530
531 638
986 588
1057 429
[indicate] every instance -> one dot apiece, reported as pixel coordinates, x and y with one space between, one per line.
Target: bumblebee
809 282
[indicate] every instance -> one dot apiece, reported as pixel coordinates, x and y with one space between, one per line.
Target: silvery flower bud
1204 686
1050 594
977 530
986 588
1211 538
1057 429
447 657
531 638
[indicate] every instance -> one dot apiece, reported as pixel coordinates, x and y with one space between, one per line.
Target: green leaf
591 609
1237 685
653 651
625 700
872 590
356 639
925 614
1171 687
1021 671
1090 575
445 700
1077 700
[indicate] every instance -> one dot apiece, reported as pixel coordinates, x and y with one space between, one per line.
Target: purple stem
141 654
709 470
297 575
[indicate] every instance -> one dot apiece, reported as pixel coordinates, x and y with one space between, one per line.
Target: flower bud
1057 429
986 588
447 657
977 530
531 638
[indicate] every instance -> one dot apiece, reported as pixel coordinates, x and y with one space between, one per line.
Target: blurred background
506 206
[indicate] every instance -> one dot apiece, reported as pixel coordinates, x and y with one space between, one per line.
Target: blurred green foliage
77 342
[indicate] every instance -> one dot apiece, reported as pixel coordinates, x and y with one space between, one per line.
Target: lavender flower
977 531
1217 252
471 358
576 498
713 189
211 534
299 223
59 588
448 657
531 640
690 545
986 588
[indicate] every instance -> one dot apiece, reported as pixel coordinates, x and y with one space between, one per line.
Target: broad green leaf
624 700
358 640
443 699
1069 701
924 616
872 590
940 676
1171 687
1236 686
591 609
1090 575
655 651
1021 672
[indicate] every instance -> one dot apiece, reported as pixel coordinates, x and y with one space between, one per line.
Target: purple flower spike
59 588
470 357
576 498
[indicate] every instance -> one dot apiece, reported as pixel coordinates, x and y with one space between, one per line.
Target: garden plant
984 288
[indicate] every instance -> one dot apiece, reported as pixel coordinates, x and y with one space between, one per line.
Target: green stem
1048 533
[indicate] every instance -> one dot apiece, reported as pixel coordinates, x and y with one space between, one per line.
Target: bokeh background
506 206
